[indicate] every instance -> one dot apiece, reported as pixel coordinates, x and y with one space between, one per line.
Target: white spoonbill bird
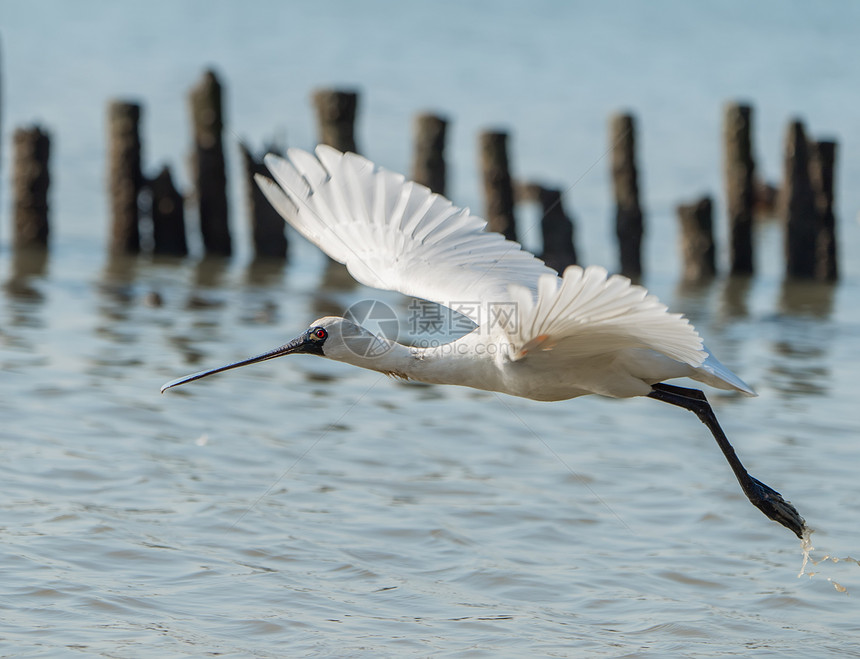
539 335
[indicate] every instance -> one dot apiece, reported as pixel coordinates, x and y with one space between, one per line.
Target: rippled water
304 508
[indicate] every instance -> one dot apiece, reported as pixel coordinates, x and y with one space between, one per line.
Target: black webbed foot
771 503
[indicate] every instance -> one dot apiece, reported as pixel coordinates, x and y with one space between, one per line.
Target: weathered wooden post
209 170
168 216
801 215
498 188
267 225
428 160
765 199
821 166
559 248
336 112
125 180
697 240
739 172
629 223
30 182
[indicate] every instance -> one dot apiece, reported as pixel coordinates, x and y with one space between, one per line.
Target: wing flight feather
397 235
587 313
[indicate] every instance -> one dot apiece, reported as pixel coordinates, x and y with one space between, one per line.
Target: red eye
320 333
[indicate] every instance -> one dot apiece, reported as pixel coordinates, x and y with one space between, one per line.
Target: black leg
769 501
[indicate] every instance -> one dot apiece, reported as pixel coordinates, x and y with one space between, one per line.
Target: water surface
305 508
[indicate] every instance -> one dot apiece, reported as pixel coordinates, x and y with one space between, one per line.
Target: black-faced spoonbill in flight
582 333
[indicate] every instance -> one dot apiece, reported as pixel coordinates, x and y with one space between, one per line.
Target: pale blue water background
302 508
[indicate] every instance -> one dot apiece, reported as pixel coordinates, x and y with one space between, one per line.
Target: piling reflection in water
803 338
27 265
807 298
734 300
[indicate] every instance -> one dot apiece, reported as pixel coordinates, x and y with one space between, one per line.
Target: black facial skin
313 344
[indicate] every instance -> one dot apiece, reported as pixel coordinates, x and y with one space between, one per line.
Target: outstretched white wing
586 313
397 235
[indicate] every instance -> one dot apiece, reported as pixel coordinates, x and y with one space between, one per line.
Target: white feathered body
539 335
476 362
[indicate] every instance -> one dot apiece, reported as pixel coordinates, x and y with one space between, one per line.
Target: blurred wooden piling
428 159
799 209
208 164
336 111
697 240
168 216
822 162
30 182
498 188
629 223
739 172
559 247
125 179
267 225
